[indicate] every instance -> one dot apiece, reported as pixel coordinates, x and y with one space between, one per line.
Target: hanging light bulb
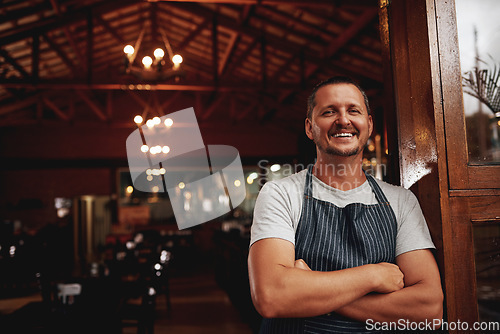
138 119
169 122
177 60
128 50
159 53
147 62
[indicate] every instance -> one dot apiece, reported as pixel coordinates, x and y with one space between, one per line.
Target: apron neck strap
379 194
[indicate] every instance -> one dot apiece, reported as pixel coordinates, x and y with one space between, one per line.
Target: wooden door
460 198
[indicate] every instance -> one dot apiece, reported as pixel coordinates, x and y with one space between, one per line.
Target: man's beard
341 153
334 151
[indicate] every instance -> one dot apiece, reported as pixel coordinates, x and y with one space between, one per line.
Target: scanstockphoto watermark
429 325
266 169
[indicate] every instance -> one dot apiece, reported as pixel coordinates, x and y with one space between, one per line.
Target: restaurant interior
84 246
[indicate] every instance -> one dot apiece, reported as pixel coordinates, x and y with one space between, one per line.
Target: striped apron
330 238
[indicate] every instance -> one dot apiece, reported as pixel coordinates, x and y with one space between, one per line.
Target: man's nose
343 119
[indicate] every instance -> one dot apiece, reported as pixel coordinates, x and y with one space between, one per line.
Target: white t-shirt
279 205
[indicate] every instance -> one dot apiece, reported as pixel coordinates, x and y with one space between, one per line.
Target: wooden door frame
422 71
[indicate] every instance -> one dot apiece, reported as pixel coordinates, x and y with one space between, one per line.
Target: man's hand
421 298
389 277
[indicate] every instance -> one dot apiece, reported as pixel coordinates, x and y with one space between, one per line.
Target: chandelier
155 68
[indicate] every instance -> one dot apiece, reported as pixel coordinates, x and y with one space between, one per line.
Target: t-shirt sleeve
272 216
413 232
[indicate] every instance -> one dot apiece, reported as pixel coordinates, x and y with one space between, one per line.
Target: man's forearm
301 293
414 303
282 287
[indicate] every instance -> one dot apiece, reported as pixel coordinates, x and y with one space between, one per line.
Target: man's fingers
300 264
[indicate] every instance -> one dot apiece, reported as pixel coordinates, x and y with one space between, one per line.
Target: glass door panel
479 44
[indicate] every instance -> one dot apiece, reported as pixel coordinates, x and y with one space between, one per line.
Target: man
333 249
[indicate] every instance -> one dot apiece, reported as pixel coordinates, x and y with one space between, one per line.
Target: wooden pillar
414 77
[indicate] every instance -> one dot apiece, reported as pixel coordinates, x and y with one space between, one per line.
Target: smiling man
332 248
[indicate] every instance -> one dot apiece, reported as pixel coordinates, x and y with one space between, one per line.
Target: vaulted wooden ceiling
62 61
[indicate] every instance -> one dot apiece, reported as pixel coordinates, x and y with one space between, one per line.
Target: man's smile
343 134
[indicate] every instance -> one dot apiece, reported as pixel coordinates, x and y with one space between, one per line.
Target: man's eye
327 112
354 111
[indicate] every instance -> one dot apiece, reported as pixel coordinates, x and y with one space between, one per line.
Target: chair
139 312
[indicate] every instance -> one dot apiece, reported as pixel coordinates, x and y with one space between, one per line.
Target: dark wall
45 161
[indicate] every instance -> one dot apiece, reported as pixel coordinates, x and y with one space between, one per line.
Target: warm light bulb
130 189
165 149
129 50
147 61
144 148
156 120
150 123
138 119
275 168
237 183
169 122
182 185
159 53
177 59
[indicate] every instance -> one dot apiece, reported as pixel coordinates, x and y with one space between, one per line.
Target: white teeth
343 135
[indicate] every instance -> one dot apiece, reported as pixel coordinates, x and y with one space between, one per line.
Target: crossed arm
283 287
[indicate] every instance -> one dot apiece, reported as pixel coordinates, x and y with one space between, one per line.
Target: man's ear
308 126
370 124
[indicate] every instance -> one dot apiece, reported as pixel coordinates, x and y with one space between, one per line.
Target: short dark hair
311 101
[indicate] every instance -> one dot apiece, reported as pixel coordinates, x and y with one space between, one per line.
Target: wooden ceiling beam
294 3
60 53
17 105
55 22
263 61
245 14
90 43
55 109
251 106
294 20
109 104
367 17
74 46
228 52
205 87
16 14
346 36
215 52
211 109
109 29
235 63
169 101
276 42
76 50
193 34
286 65
14 63
35 57
137 98
93 106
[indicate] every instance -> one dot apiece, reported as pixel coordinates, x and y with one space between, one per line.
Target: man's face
339 124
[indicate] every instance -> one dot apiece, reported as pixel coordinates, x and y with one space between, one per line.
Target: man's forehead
353 97
338 86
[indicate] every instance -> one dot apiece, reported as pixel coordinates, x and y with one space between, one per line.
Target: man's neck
344 173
